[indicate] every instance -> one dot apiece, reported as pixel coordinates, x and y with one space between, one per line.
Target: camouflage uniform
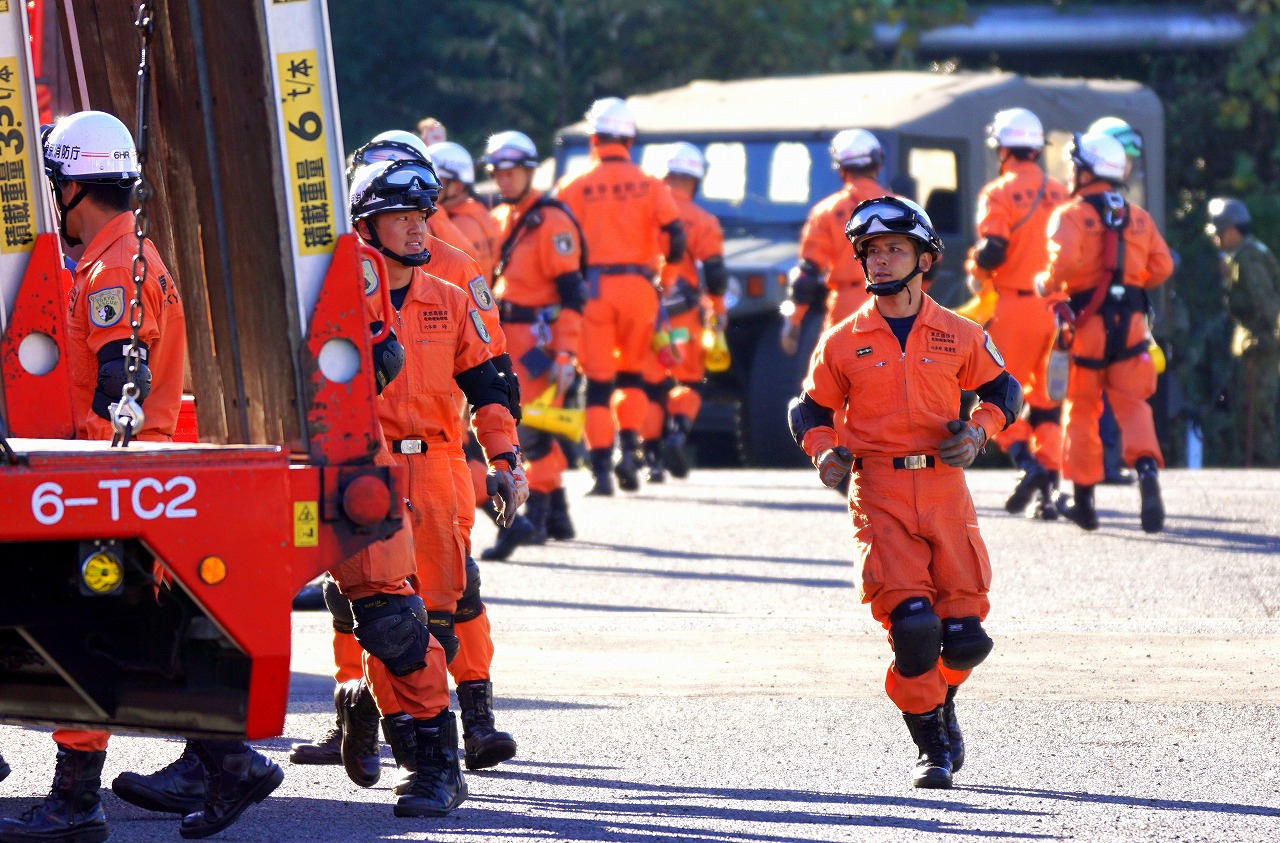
1252 279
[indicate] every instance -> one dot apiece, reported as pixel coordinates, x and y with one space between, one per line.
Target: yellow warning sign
306 523
303 107
17 231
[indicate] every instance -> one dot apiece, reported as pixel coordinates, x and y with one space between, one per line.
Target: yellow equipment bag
979 308
716 348
543 414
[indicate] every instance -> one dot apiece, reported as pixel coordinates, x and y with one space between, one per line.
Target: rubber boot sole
256 794
154 800
934 779
403 810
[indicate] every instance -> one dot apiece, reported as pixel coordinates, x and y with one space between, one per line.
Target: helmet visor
371 153
891 214
506 157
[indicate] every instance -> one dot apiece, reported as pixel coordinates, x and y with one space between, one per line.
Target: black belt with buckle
408 446
914 462
622 269
524 314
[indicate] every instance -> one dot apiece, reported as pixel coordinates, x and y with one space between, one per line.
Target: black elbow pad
1005 392
511 381
804 414
715 275
804 283
573 291
483 385
990 252
679 242
388 357
113 374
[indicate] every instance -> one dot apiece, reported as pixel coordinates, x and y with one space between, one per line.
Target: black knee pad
1043 415
630 380
441 626
657 392
339 606
389 628
965 644
917 636
534 444
599 393
469 606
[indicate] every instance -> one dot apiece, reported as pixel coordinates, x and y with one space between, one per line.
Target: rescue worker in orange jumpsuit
465 630
1104 254
898 364
457 196
623 212
674 399
92 165
823 250
1009 252
541 296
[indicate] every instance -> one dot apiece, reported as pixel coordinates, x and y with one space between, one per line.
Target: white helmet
1015 128
855 148
611 116
1098 153
453 162
395 145
686 160
509 149
1121 131
91 146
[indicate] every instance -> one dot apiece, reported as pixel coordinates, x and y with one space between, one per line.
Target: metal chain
128 416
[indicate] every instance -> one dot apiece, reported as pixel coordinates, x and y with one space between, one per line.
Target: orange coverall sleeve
828 386
983 364
100 293
561 253
1066 253
664 204
1159 260
493 423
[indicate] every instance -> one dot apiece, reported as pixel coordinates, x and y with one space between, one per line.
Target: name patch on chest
864 351
940 342
434 320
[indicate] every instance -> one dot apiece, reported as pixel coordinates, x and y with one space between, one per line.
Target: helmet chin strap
64 209
420 259
889 288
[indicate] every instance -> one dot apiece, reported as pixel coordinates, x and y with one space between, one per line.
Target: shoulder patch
478 321
106 307
370 276
480 293
563 243
993 351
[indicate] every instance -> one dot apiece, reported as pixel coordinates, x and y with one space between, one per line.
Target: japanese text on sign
17 225
303 109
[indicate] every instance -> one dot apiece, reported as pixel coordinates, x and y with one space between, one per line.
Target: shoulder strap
1036 204
1113 211
526 223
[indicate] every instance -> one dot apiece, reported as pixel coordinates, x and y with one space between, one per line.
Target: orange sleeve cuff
990 418
567 333
494 430
820 439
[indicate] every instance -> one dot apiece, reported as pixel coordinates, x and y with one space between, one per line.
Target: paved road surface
696 668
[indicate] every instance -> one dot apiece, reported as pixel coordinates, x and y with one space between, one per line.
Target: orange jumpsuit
915 530
683 301
622 211
539 326
822 243
1076 268
1014 208
98 314
440 225
472 218
443 336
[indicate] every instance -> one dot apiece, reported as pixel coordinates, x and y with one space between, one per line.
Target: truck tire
774 380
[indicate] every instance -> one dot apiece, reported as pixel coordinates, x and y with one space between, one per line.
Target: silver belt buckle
915 461
412 446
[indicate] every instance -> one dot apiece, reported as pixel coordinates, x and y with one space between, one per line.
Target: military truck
766 142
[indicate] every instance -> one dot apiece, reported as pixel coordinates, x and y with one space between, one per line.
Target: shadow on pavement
660 553
1131 801
682 575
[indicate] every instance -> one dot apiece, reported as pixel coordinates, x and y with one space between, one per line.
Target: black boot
675 446
438 786
1149 488
178 788
72 812
327 750
602 471
485 746
629 458
5 770
657 472
1044 509
359 715
929 731
1079 508
536 510
1031 479
954 735
398 730
559 527
520 532
236 781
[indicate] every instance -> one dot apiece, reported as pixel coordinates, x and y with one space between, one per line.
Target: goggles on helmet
506 157
890 215
404 185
